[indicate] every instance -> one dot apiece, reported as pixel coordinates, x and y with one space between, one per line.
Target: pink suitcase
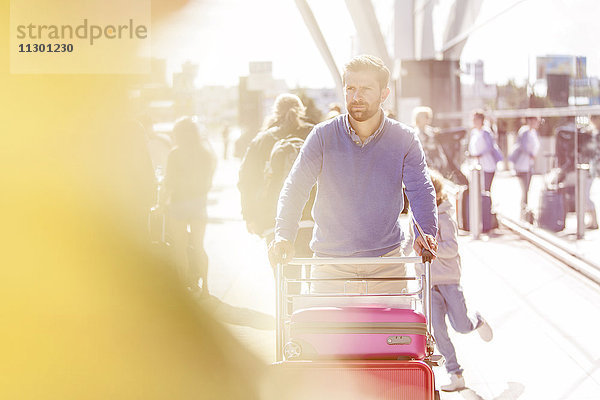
365 332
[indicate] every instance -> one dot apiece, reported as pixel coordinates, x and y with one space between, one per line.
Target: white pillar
475 225
583 172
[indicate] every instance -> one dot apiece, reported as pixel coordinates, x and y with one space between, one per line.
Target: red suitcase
382 380
357 333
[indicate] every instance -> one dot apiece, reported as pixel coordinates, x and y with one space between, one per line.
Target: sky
223 36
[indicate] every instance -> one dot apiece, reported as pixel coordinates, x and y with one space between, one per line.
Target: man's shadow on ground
237 315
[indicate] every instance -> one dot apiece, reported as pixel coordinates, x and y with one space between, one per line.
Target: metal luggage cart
355 378
422 294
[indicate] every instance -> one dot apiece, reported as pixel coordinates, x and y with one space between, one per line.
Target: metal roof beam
319 39
369 33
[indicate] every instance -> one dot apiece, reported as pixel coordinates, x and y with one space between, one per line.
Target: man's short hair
367 62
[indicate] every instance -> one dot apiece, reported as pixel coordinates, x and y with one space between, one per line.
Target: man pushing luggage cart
360 162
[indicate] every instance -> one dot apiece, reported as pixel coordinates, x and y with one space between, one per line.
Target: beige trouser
347 271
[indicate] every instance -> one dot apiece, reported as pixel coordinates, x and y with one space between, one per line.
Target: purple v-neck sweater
359 190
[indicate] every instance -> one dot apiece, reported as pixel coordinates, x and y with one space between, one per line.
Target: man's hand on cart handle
281 251
426 242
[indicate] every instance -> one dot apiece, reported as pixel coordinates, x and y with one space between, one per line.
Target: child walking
447 297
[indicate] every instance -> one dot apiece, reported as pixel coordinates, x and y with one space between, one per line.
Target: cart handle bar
382 279
355 260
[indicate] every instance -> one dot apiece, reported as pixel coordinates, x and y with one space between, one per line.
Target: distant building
573 66
595 87
565 77
158 74
257 92
475 92
151 94
185 91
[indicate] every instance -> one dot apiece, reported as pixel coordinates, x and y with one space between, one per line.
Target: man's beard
364 113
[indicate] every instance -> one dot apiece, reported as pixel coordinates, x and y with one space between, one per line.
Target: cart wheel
292 350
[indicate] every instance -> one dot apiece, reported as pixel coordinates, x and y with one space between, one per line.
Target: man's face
363 94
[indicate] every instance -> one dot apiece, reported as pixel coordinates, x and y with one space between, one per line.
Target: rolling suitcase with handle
552 211
357 333
488 219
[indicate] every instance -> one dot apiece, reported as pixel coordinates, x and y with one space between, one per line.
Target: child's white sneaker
484 330
457 382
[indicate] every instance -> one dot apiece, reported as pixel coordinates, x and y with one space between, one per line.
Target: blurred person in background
190 169
594 128
482 147
434 154
523 159
566 173
312 114
285 121
266 165
335 109
225 136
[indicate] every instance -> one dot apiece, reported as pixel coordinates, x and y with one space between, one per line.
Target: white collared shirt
355 138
